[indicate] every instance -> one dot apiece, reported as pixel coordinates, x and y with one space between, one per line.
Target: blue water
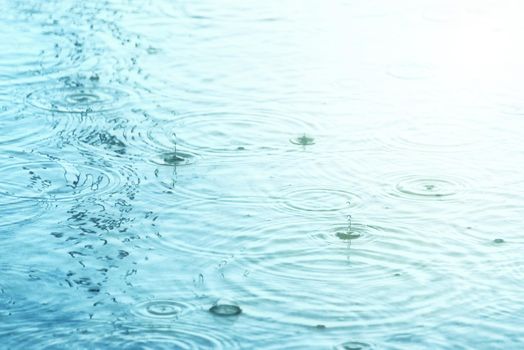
261 174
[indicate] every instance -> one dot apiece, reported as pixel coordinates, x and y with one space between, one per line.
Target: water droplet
303 140
172 158
225 309
351 345
346 236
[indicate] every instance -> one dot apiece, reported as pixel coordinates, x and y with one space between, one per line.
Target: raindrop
351 345
346 236
172 158
303 140
225 309
428 188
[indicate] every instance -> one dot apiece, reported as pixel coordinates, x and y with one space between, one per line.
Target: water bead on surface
342 233
347 236
225 308
175 159
353 345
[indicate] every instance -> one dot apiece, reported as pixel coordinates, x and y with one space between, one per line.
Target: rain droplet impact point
225 310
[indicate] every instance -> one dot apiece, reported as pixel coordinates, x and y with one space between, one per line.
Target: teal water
261 174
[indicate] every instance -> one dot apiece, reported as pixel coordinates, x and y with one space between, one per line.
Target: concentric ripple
349 233
234 134
428 188
39 177
372 279
307 200
156 142
162 309
374 296
175 158
78 99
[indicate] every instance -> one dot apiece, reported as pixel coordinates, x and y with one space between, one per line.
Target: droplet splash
303 140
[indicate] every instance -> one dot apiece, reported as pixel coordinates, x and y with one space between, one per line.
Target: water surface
261 174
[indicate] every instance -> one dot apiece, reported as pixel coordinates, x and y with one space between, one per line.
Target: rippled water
261 174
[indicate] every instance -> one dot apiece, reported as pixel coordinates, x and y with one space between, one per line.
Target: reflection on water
276 175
